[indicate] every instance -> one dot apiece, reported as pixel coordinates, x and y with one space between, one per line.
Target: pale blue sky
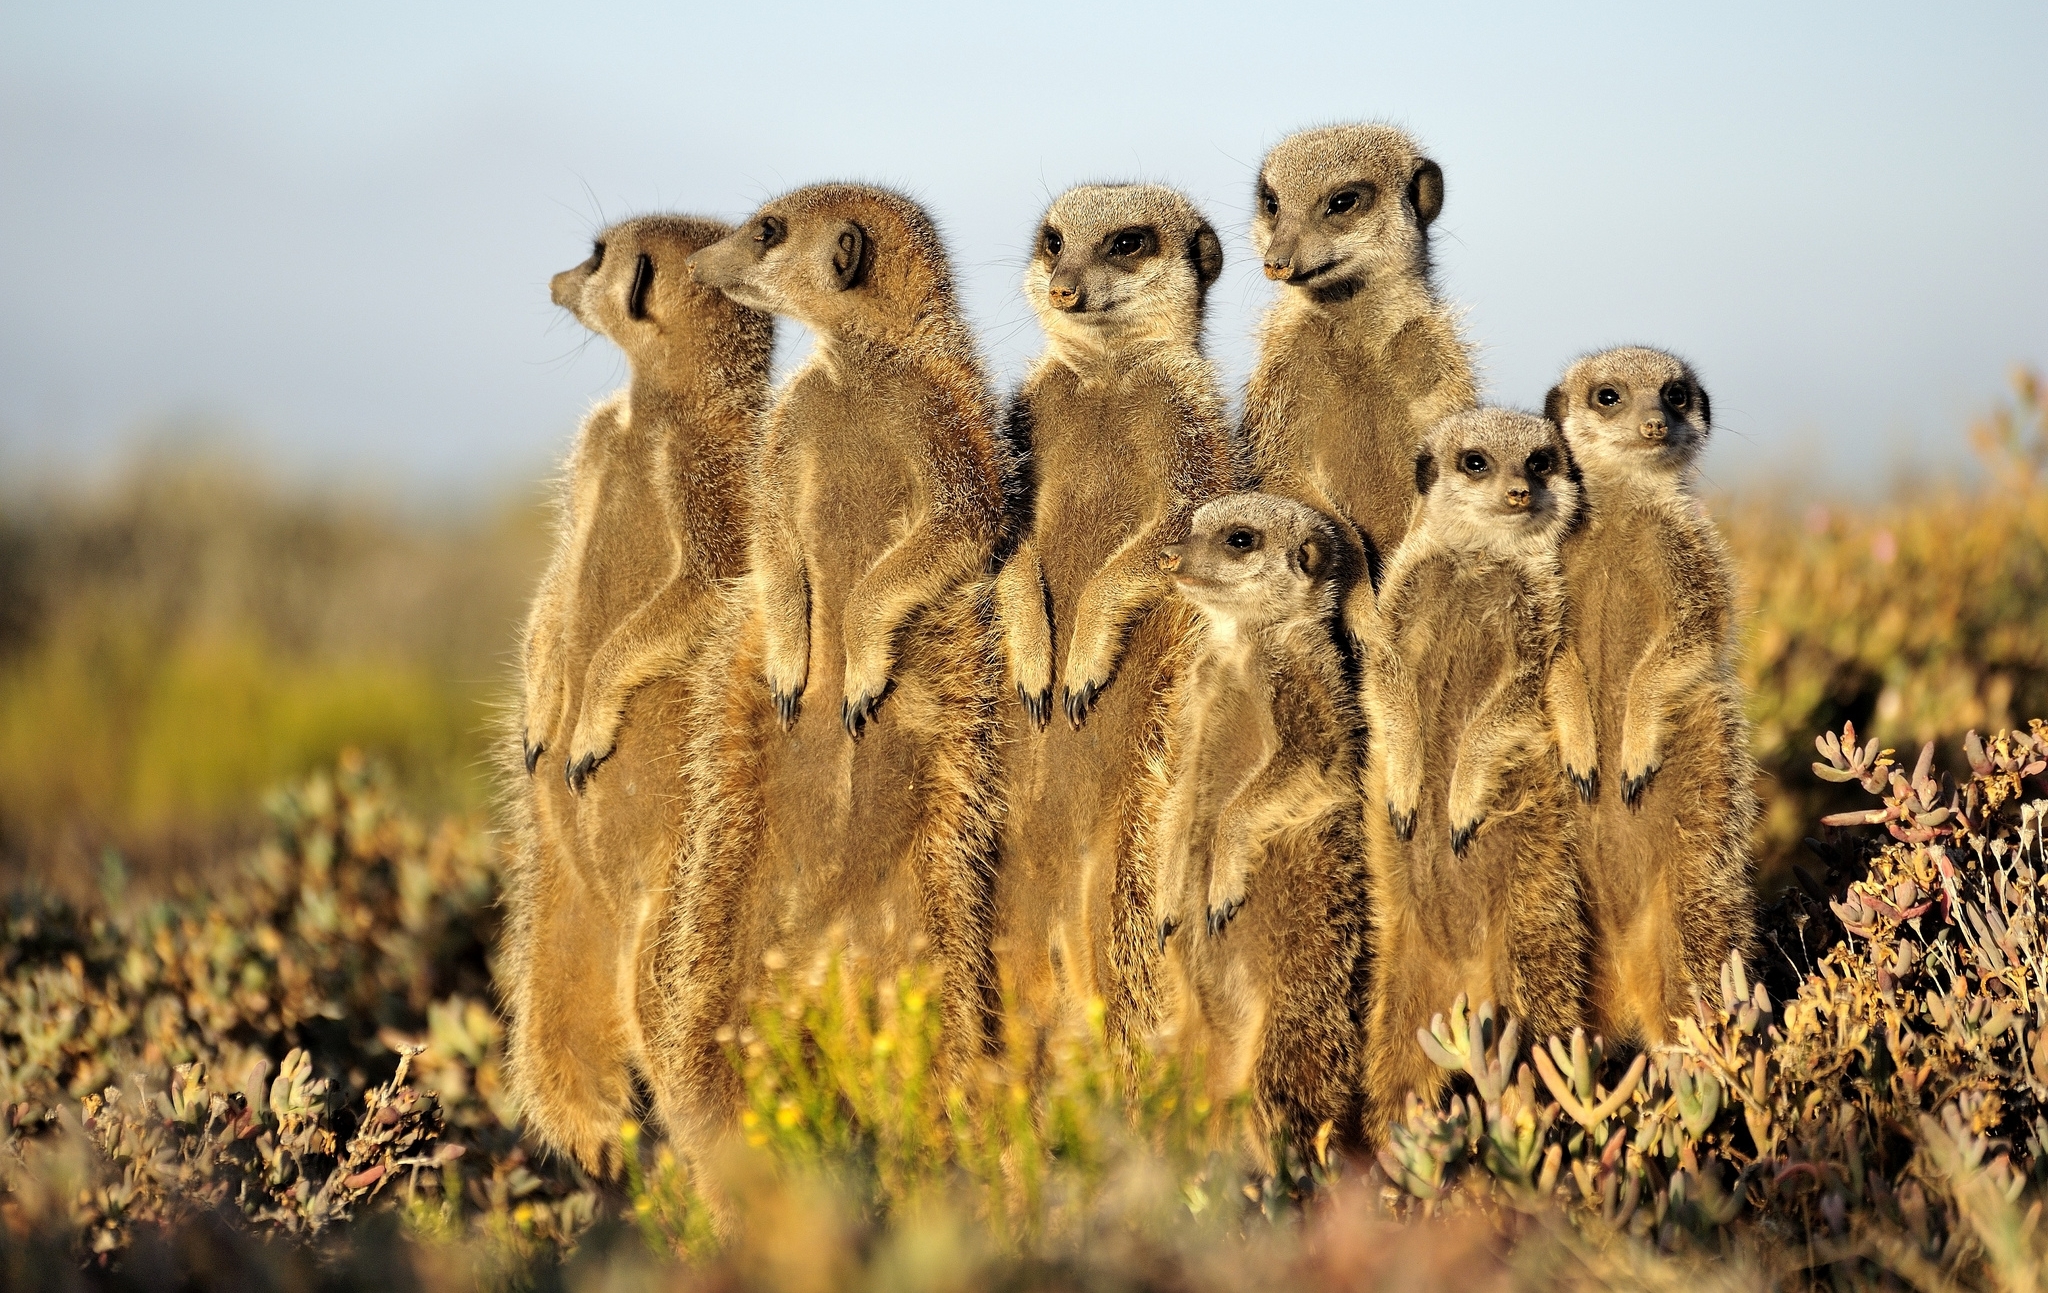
333 228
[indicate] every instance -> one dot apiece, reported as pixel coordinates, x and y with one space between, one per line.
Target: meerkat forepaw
1037 704
1587 783
1220 917
531 750
1078 701
1403 821
857 709
1167 926
1633 785
577 771
787 703
1461 837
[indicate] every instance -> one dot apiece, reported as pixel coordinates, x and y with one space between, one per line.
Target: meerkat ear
1426 191
643 279
1555 405
1206 250
1425 471
1311 559
849 254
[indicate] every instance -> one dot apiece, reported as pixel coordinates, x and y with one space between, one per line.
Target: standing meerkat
1645 692
1357 358
1474 878
1124 421
844 761
1264 868
654 498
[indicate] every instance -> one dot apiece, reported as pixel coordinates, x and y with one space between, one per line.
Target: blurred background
281 390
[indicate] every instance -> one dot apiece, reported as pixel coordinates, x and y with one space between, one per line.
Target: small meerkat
1264 859
1126 435
1358 357
1474 875
1645 691
653 499
844 763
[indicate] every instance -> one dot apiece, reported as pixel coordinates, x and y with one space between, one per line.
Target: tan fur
1125 427
843 763
1474 875
1264 863
1646 702
653 496
1358 358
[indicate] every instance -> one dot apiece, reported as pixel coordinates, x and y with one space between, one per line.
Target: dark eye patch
1540 463
771 232
1269 201
1678 395
643 279
1053 241
597 255
1135 241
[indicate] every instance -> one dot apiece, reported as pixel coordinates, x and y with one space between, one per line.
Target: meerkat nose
1169 558
1279 270
1518 497
1655 429
1065 298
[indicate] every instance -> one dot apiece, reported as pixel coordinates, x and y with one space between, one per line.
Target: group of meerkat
1271 737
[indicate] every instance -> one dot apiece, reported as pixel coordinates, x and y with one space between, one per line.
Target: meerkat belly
1462 896
1621 610
1358 447
841 814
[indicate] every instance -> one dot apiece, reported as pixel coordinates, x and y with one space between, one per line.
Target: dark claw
1219 919
1632 788
1461 838
855 714
1166 928
578 772
1588 786
1404 823
532 753
1038 706
1078 703
786 703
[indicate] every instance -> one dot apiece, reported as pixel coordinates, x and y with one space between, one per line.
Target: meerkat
1124 420
1645 691
654 494
1475 886
1358 357
1264 859
844 760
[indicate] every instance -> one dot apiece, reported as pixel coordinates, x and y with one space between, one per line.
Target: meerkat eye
597 255
1607 397
1473 463
1540 463
1242 540
1129 242
1270 201
1053 242
1343 202
1678 395
771 232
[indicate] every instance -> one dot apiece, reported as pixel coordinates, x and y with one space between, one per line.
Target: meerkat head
633 289
1252 560
838 258
1631 409
1497 480
1342 205
1120 263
